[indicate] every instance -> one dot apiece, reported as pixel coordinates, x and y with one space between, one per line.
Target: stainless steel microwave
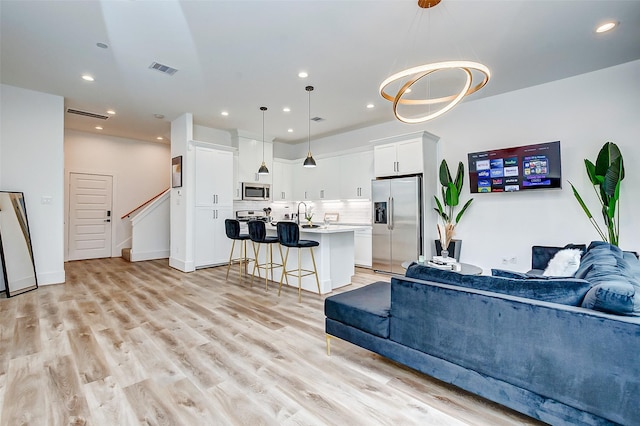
256 191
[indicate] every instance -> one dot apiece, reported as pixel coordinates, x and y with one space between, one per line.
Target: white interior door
90 218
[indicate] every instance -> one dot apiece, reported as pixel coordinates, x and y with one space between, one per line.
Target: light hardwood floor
140 343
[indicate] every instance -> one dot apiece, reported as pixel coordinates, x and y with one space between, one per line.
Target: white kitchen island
334 258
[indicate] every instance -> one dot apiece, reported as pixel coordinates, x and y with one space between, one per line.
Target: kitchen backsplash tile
351 212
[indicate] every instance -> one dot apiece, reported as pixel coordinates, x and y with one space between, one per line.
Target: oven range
247 215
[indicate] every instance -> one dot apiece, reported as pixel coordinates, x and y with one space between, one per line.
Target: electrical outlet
505 260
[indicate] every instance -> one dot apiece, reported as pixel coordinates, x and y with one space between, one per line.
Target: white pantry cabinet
213 204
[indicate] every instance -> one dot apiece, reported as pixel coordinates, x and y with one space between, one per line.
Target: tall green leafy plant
605 176
451 190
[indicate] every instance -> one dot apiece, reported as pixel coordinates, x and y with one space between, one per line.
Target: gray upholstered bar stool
232 229
258 235
289 236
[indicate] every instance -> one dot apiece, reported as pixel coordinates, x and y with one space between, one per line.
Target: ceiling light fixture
111 112
412 75
98 127
225 113
608 26
263 167
303 74
309 161
87 77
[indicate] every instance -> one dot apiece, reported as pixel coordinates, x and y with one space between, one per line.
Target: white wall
140 171
582 112
32 161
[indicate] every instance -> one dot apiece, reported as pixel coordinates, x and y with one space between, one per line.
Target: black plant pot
455 246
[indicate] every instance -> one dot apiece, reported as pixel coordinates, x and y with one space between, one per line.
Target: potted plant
605 176
451 190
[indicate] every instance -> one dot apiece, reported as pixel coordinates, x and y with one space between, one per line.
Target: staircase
149 230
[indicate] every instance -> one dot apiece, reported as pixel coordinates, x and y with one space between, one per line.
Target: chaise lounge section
523 343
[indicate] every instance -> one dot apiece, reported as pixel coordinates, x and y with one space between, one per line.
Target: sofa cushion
567 291
366 308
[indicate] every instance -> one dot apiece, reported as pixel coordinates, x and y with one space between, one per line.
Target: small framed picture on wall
176 172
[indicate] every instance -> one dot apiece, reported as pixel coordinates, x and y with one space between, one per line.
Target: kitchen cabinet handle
322 193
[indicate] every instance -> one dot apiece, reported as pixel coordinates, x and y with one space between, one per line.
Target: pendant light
309 161
263 167
406 78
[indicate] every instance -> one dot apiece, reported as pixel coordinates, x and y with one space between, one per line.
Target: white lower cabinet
212 246
362 247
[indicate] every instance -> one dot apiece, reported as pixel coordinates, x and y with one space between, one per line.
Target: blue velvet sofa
526 343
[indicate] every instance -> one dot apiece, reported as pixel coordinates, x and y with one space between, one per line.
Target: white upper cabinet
282 187
328 179
356 173
250 159
250 154
305 182
399 158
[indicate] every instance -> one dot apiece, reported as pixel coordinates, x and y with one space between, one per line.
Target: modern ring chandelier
410 76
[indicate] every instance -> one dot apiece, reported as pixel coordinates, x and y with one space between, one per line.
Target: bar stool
289 236
232 228
258 235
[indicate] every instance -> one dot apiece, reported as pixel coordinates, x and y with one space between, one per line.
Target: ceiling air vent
165 69
87 114
317 119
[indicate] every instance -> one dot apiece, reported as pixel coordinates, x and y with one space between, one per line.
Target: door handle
107 220
392 208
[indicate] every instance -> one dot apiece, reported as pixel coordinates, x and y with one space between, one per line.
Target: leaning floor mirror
16 255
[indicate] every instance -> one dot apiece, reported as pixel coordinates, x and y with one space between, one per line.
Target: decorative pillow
565 263
614 296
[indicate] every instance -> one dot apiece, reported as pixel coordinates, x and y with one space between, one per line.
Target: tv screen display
521 168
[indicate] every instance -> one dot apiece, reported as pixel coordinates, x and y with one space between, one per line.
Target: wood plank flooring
140 343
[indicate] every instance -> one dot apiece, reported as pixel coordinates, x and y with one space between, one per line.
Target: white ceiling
239 55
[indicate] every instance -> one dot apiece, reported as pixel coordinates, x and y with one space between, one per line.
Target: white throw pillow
565 263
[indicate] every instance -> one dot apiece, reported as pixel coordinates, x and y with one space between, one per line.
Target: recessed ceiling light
98 127
159 138
159 116
286 109
102 45
370 106
225 113
290 130
111 112
87 77
303 74
606 27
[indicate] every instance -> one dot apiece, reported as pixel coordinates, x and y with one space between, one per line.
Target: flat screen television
522 168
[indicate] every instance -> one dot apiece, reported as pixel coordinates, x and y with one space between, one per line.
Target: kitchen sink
310 226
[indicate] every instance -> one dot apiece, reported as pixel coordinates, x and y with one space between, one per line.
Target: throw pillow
565 263
614 296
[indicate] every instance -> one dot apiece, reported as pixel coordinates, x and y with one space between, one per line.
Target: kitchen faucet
305 211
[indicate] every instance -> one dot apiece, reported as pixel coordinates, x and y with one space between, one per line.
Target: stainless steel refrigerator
397 222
